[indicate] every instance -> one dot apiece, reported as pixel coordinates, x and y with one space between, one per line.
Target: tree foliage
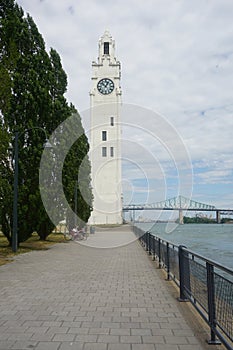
32 88
198 220
77 158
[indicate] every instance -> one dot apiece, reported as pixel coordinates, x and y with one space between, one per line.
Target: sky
177 63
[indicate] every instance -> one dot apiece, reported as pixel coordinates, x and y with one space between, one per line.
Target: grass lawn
33 243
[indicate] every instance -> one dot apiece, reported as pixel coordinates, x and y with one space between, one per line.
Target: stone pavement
77 297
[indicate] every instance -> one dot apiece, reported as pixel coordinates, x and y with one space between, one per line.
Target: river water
213 241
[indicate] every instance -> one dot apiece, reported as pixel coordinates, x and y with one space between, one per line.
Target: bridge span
180 204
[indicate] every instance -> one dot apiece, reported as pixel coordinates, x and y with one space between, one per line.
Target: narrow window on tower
104 135
104 151
112 121
111 152
106 48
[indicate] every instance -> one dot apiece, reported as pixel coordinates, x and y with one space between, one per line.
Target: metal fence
205 283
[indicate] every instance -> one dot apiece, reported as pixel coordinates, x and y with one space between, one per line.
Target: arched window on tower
106 48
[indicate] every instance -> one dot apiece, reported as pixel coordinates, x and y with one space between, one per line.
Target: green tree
27 111
6 181
78 179
32 87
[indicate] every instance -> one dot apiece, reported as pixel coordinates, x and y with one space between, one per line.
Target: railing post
153 248
183 271
168 262
147 241
160 265
211 303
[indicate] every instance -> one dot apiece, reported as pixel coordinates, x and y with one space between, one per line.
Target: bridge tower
181 217
105 135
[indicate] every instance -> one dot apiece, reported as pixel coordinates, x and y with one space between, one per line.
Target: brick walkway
77 297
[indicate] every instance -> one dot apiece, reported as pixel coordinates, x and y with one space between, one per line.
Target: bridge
179 203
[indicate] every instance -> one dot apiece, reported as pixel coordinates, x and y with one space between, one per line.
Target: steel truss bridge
181 204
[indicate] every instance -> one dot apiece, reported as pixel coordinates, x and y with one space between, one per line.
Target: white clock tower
105 135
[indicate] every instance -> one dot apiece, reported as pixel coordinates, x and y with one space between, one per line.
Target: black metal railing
205 283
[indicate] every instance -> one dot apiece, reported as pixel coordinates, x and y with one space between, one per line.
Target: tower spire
106 48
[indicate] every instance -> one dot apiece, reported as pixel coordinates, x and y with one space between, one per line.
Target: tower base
97 218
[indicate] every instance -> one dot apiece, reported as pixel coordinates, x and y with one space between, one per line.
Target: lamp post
75 203
16 176
15 197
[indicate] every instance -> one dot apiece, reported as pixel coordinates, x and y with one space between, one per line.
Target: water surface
214 241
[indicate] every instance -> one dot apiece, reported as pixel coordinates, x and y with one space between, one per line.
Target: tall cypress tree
78 180
32 98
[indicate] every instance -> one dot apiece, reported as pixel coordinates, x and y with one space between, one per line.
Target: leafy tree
198 220
6 181
32 87
78 181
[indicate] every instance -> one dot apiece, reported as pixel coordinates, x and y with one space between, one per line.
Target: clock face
105 86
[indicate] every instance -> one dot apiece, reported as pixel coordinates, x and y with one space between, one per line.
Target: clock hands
105 86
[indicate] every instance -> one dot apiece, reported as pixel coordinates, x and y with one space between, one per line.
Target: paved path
76 297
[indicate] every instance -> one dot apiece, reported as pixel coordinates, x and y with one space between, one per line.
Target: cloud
216 176
176 60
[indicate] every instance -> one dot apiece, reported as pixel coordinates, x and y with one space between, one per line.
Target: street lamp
47 144
75 203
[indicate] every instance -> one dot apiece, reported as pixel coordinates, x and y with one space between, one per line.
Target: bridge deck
77 297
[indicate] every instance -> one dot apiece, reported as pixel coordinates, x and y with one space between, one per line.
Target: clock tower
105 135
